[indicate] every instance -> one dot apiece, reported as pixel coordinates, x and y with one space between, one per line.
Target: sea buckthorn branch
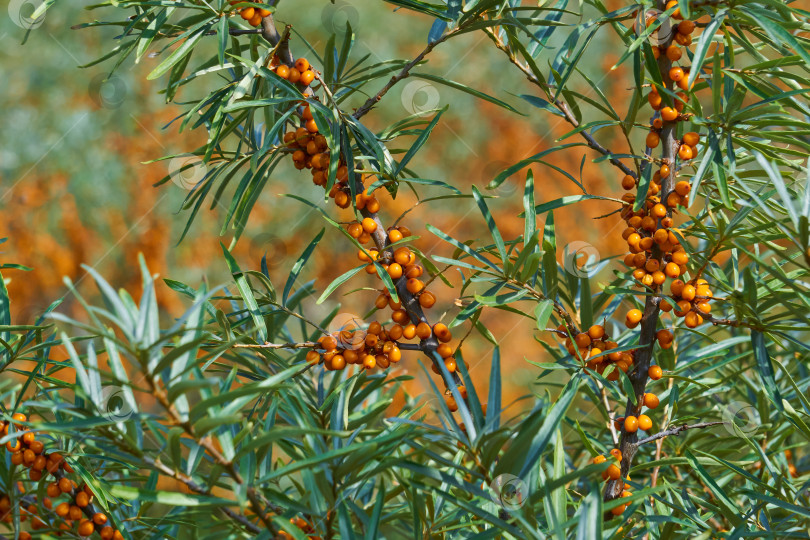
205 442
559 104
311 151
675 431
406 71
653 270
197 488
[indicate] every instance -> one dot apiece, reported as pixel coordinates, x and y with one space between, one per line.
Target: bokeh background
75 187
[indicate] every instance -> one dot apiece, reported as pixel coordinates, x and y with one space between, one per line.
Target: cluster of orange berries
301 73
376 346
614 472
252 15
591 344
29 452
372 348
305 527
683 34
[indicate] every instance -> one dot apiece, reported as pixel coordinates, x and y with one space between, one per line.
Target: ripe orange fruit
106 533
307 77
427 299
651 400
669 114
369 225
619 510
652 141
395 270
598 459
628 182
62 509
676 74
82 499
686 27
596 331
283 71
99 518
394 235
414 285
582 340
302 64
85 528
688 293
644 422
631 424
633 318
442 332
685 152
614 472
423 330
674 52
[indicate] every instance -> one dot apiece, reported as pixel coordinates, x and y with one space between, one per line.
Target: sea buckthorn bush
670 377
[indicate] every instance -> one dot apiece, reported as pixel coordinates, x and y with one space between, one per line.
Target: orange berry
409 332
596 331
669 114
306 78
427 299
85 528
619 510
633 318
302 64
674 52
644 422
423 330
598 459
614 472
672 270
106 533
686 27
62 509
369 225
99 518
82 499
628 182
691 138
283 71
652 141
395 270
631 424
414 285
65 485
688 293
651 400
685 152
676 74
394 236
659 211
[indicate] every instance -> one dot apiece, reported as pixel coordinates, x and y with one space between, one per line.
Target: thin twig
675 431
197 488
404 72
560 105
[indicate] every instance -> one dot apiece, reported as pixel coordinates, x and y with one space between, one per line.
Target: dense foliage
249 416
